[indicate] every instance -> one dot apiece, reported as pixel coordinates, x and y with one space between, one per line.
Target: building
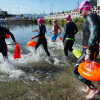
98 3
93 2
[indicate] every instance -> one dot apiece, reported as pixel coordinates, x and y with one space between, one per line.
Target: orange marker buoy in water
7 36
31 43
17 52
90 71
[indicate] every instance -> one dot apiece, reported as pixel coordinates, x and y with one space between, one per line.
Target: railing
73 15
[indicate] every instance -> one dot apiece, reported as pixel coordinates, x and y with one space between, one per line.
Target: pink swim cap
54 21
40 20
68 16
85 5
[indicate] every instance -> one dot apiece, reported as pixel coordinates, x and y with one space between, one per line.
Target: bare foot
87 90
92 93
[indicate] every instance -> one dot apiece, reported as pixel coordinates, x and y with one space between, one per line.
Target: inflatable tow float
90 71
17 52
7 36
60 38
31 43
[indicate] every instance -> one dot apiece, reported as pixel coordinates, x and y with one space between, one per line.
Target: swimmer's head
40 20
68 17
54 21
85 5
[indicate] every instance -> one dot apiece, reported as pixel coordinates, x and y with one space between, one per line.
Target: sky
37 6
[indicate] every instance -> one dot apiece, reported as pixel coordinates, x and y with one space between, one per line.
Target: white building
98 3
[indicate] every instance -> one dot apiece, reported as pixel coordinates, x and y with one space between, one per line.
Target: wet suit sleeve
42 30
12 36
66 32
93 27
39 32
59 28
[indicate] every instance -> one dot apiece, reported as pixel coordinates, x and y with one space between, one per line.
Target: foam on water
39 54
31 57
8 68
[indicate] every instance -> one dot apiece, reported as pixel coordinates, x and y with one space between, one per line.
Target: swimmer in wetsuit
3 45
69 34
55 29
91 31
41 36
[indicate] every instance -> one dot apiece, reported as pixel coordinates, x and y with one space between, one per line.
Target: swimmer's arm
65 33
35 31
53 29
59 31
64 37
34 37
52 32
93 27
12 36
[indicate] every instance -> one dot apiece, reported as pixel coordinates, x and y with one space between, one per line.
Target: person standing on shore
70 30
41 36
55 29
3 46
91 31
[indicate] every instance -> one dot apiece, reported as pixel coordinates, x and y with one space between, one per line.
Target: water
22 34
34 67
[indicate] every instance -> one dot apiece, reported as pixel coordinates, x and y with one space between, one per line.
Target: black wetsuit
70 31
3 45
91 31
41 39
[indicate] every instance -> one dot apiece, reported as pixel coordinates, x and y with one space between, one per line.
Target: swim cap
40 20
85 5
68 16
54 21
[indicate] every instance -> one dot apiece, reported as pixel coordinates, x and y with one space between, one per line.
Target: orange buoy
60 38
7 36
90 71
31 43
17 52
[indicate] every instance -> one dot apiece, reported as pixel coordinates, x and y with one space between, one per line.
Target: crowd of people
90 42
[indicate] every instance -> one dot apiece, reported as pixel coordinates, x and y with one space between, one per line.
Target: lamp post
77 4
18 10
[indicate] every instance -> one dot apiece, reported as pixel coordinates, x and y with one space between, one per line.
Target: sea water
22 34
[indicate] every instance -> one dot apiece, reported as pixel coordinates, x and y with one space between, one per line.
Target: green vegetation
21 15
78 21
61 22
4 13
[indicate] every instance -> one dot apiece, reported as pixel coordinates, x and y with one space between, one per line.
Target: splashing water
29 55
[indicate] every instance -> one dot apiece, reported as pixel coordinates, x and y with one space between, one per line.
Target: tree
21 15
4 13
